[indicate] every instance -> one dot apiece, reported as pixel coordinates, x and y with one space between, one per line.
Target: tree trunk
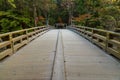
35 14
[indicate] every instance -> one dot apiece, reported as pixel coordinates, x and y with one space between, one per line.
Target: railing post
12 44
92 35
35 30
21 38
26 32
84 31
107 40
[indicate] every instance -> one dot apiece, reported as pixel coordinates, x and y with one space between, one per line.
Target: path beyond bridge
60 55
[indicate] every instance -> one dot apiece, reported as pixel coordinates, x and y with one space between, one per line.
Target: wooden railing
107 40
12 41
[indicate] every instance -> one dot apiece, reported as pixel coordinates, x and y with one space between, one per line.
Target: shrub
108 22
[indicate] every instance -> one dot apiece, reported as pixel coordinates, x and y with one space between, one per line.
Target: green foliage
5 25
99 27
110 17
82 23
118 24
25 20
111 10
52 21
11 2
80 7
40 23
108 22
20 14
9 25
92 22
11 22
105 13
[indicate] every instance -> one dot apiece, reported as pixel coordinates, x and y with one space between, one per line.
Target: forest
21 14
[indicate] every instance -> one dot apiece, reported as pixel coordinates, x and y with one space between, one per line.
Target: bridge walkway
60 55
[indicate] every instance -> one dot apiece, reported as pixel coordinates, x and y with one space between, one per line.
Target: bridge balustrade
107 40
12 41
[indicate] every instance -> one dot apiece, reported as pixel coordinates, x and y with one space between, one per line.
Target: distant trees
105 13
13 18
19 14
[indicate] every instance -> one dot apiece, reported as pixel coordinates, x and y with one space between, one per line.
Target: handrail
12 41
107 40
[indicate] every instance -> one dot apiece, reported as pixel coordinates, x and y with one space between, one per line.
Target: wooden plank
34 61
4 44
114 52
5 53
17 46
114 42
3 35
19 38
84 61
88 32
99 37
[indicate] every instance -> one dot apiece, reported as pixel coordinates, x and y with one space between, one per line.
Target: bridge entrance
60 26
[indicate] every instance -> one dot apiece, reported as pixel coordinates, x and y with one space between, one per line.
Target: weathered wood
4 44
5 53
84 61
76 59
33 61
24 37
99 39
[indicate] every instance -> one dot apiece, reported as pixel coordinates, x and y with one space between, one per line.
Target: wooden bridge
76 53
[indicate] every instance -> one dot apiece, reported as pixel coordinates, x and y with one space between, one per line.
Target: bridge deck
60 55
